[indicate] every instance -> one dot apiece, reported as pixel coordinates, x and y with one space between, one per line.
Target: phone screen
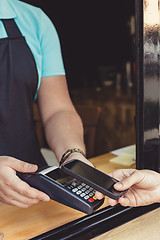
59 176
91 174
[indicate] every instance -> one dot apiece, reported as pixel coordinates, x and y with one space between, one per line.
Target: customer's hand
13 190
144 187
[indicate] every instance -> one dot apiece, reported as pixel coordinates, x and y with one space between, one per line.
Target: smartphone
93 177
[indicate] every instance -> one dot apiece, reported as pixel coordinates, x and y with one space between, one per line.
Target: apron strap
11 28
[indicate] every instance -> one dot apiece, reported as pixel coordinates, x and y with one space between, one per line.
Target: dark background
92 34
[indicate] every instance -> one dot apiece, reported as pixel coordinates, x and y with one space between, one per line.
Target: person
31 69
143 185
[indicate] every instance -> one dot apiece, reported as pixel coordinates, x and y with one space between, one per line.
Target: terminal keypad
83 190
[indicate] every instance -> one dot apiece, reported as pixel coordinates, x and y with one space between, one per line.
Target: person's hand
80 157
144 187
13 190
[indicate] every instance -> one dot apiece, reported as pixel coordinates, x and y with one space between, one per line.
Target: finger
128 181
125 202
11 196
24 189
13 202
120 174
99 195
20 166
112 202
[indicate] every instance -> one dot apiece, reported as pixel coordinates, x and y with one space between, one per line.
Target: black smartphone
93 177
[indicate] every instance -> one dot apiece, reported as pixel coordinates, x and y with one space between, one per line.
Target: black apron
18 86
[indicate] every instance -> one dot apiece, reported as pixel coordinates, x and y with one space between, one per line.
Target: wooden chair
89 115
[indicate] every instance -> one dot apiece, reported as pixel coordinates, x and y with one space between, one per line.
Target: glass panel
148 87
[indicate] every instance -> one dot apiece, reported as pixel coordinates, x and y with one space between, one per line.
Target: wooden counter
23 224
145 227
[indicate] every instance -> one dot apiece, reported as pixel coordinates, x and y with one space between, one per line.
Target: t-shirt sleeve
52 62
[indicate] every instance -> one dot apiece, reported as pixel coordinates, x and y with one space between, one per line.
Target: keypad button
86 197
78 192
83 184
91 194
91 200
83 189
74 189
82 194
74 184
87 186
80 186
94 198
90 188
87 192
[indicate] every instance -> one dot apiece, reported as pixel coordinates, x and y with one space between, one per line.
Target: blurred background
98 48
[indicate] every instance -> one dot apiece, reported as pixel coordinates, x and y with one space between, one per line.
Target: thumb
128 182
21 166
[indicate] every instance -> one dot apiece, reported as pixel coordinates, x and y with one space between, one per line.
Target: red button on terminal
91 200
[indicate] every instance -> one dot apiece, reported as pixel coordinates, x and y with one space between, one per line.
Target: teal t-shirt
40 34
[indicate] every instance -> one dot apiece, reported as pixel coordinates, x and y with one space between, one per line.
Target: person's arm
144 187
63 126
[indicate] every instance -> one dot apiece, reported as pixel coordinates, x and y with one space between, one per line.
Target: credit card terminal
63 188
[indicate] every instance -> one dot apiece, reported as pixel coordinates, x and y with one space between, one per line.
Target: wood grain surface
145 227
